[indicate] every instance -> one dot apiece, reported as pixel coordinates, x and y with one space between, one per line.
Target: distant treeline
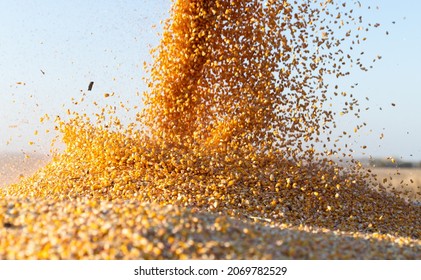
375 162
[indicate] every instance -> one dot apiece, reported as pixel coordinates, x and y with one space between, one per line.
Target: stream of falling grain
233 146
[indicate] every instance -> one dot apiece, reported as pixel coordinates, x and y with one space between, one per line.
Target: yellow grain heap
232 158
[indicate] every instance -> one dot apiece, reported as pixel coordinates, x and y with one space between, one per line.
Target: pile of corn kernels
233 157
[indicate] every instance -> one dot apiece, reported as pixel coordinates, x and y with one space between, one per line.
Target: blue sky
107 41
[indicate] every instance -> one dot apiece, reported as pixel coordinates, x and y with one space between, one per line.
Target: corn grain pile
234 155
